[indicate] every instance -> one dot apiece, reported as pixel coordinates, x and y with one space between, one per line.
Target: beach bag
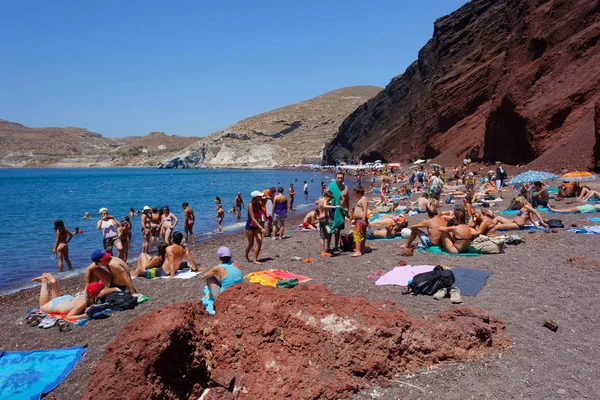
555 223
428 283
121 301
347 242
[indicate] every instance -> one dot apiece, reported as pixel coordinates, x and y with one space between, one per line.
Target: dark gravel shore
551 275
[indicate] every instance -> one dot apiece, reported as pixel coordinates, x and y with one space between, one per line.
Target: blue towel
29 374
514 212
438 250
587 230
469 281
209 302
594 219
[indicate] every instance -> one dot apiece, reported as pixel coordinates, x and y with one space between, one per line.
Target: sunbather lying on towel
588 194
525 215
222 276
71 306
584 209
389 231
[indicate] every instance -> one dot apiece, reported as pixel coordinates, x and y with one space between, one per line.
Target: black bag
428 283
555 223
347 242
120 301
504 174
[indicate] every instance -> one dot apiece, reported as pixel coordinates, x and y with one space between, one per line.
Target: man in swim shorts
311 220
433 236
113 271
361 221
188 225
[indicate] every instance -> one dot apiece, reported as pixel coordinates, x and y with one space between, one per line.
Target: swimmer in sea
188 225
63 237
86 215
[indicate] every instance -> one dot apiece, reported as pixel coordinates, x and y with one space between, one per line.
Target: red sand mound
300 343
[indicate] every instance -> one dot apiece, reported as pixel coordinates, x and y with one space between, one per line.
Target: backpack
428 283
555 223
347 242
504 174
120 301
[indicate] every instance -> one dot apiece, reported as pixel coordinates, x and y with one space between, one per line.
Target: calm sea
34 198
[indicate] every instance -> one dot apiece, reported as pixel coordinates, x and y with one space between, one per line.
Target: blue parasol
531 176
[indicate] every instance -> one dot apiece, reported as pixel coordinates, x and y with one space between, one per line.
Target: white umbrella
419 162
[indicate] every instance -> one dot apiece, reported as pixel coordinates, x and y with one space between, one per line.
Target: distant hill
21 146
286 135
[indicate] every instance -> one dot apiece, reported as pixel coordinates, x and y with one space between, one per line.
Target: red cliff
510 80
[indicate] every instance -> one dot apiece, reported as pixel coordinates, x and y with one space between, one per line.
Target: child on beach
219 216
325 222
61 249
360 222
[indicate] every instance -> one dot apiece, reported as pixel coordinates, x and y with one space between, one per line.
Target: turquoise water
34 198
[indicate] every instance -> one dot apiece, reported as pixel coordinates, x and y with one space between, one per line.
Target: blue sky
124 68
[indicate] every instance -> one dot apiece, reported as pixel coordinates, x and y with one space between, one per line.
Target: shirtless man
146 221
113 271
175 254
389 231
456 238
344 203
422 203
323 207
433 225
361 221
188 225
239 204
311 220
292 193
70 306
568 189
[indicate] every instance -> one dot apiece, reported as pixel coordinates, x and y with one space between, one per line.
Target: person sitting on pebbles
433 236
71 306
227 273
113 271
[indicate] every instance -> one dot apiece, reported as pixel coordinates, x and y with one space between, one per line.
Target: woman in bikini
155 218
456 238
482 223
71 306
168 224
146 262
525 215
124 233
61 248
254 225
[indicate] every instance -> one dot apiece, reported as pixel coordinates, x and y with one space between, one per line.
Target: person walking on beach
292 193
280 213
168 224
110 237
219 216
61 249
501 175
239 204
254 225
146 221
305 190
188 225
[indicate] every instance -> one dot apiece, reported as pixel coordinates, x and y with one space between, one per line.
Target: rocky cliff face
21 147
510 80
287 135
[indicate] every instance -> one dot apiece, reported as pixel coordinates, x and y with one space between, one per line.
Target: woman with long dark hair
61 248
254 225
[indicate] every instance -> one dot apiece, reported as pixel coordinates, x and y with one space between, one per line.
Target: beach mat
383 239
438 250
514 212
594 219
183 274
269 277
586 230
30 374
402 275
469 281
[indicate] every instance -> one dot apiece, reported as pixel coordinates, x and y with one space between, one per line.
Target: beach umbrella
579 176
419 162
435 165
531 176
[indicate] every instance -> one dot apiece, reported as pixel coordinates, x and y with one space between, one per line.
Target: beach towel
338 213
526 228
514 212
269 277
438 250
594 219
587 230
30 374
183 274
402 275
469 281
382 239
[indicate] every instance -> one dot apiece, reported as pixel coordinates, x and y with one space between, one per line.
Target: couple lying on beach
108 274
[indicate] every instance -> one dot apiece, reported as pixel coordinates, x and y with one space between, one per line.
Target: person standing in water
219 216
239 204
292 193
109 225
61 249
305 190
188 225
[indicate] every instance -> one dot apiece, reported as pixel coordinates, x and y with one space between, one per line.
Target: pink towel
401 275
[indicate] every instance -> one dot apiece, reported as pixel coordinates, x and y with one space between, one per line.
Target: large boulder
265 342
